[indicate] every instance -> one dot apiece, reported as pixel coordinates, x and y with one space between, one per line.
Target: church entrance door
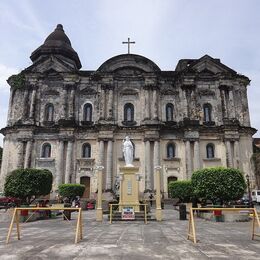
85 181
171 178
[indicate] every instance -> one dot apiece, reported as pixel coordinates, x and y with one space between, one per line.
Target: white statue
128 151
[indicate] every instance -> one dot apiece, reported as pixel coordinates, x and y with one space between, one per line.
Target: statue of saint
128 151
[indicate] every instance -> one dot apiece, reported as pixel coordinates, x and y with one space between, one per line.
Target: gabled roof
206 62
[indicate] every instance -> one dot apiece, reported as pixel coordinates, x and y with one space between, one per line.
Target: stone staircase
139 216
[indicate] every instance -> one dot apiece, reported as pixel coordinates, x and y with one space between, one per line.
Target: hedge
71 191
218 184
181 190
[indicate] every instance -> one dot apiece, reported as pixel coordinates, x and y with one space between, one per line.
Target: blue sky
164 30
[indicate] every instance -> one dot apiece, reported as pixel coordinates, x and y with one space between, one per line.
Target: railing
15 218
127 205
191 228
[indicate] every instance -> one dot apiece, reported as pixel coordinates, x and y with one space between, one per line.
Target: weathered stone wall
108 90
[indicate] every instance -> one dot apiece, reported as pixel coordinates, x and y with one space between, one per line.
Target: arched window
129 112
207 112
169 112
87 113
210 151
46 150
49 112
86 150
170 150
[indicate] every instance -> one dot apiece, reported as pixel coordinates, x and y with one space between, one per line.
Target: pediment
129 71
209 66
122 63
50 64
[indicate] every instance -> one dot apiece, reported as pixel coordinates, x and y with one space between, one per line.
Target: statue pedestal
129 188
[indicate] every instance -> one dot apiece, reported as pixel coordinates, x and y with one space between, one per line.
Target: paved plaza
54 239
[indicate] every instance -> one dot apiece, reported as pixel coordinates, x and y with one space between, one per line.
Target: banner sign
128 213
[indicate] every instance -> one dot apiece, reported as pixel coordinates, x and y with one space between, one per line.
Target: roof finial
59 27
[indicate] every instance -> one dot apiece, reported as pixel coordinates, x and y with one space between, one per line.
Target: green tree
181 190
71 190
28 184
218 184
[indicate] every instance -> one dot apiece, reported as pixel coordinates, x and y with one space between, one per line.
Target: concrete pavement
54 239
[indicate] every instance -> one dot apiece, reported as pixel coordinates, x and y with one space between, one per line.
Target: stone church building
69 120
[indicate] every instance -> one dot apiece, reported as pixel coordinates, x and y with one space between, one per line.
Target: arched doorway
171 178
85 181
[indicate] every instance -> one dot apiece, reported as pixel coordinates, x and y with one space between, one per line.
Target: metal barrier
128 205
191 228
15 218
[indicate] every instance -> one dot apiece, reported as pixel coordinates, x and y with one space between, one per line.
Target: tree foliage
28 184
181 190
218 184
71 190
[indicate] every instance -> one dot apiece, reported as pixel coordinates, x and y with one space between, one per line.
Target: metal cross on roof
128 43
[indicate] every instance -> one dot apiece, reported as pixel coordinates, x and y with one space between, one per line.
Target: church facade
69 120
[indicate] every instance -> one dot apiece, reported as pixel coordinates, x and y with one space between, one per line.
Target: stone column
236 154
9 119
158 213
102 104
155 105
147 104
32 105
229 155
109 165
71 104
101 152
148 165
184 103
156 158
5 159
246 116
188 159
68 162
20 159
223 102
99 211
196 155
28 151
59 163
110 104
25 103
63 104
231 104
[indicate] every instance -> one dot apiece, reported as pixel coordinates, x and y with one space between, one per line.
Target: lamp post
249 192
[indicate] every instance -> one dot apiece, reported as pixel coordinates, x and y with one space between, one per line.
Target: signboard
128 213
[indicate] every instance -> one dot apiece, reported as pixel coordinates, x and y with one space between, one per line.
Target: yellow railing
15 218
128 205
191 228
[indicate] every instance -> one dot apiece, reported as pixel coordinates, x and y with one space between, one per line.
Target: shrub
71 190
28 184
181 190
218 184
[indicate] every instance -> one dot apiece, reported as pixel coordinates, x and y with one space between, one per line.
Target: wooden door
85 181
171 178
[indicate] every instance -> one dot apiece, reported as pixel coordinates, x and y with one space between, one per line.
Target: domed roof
123 61
58 37
57 43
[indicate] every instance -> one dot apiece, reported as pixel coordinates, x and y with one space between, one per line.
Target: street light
249 192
